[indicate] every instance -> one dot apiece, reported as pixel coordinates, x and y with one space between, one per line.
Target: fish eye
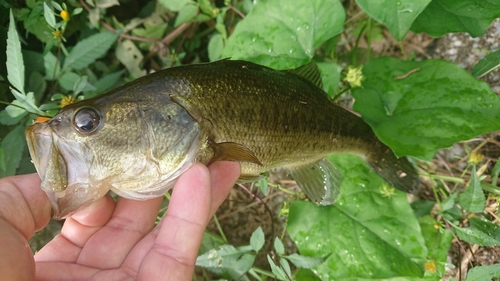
86 120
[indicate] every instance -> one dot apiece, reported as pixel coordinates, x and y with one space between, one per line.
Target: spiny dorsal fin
309 72
230 151
320 181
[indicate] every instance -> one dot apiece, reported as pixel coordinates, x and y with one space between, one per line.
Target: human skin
111 240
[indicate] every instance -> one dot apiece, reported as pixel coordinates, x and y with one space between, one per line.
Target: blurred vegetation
60 52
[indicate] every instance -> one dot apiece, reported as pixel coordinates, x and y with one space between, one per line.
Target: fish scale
138 138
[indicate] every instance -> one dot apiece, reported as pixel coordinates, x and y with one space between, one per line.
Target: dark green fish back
284 119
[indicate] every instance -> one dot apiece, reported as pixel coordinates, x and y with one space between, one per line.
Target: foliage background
72 50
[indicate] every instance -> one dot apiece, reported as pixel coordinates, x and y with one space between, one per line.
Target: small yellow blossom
67 100
354 76
475 158
57 33
430 266
64 15
386 190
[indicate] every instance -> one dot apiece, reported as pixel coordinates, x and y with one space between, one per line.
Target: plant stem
220 229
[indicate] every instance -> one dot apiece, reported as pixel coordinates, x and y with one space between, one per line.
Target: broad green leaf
481 232
89 49
50 18
330 75
419 107
278 246
13 146
186 14
438 243
487 64
396 15
363 243
15 64
68 79
286 267
215 47
305 262
472 199
276 34
481 273
36 84
306 274
2 160
257 239
446 16
175 5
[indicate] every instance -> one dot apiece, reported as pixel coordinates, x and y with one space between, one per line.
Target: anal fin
320 181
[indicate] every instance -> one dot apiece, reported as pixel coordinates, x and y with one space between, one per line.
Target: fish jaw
68 187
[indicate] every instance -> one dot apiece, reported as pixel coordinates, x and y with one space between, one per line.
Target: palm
116 241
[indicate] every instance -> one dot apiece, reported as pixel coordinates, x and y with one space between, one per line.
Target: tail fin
398 172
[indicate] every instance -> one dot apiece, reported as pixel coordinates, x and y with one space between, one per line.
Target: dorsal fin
310 72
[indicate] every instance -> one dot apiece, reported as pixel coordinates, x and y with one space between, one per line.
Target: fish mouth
60 163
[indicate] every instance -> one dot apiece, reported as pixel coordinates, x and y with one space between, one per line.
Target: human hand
108 240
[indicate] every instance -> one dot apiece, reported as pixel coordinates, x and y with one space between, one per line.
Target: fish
137 139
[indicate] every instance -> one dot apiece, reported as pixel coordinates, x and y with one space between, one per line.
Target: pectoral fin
230 151
320 181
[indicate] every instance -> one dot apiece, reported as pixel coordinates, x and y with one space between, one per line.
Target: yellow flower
67 100
64 15
57 33
475 158
354 76
430 266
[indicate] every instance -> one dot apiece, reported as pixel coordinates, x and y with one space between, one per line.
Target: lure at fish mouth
138 138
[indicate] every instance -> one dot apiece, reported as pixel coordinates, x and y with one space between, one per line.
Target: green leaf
50 18
330 75
27 102
2 160
15 64
257 239
12 114
68 79
473 199
305 262
215 47
487 64
275 34
485 272
13 146
175 5
438 243
286 267
495 173
278 246
186 14
481 232
446 16
52 66
396 15
280 273
89 49
362 243
225 256
81 84
419 107
108 81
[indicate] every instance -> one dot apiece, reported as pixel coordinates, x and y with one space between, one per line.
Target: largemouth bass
138 138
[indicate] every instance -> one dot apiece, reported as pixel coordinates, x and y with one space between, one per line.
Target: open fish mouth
66 186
